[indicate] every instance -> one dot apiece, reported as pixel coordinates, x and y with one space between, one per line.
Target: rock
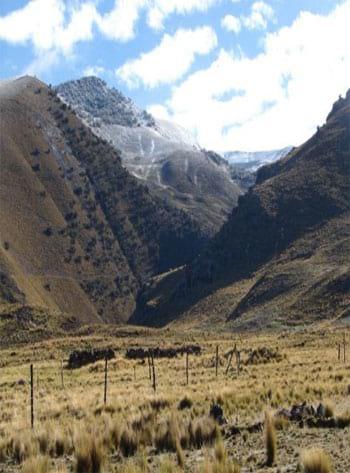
321 410
217 413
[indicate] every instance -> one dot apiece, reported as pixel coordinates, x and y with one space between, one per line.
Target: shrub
48 231
185 403
315 460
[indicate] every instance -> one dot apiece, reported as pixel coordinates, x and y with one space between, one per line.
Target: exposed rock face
158 152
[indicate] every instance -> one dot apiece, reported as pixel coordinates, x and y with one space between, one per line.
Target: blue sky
240 74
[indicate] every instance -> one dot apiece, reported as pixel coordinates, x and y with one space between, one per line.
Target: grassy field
171 430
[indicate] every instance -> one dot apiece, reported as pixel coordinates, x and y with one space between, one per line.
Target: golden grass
270 439
316 460
71 423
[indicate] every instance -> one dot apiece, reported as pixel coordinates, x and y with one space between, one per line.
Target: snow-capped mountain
252 160
162 154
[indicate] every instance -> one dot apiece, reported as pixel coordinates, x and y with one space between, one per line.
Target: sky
239 74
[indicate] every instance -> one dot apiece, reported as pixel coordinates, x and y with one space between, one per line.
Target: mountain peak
96 102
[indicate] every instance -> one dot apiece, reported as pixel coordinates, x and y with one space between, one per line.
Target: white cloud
261 13
93 71
276 98
120 22
159 10
43 23
170 60
231 23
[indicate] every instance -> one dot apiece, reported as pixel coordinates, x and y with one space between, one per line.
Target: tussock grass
316 460
90 455
221 463
128 443
38 464
270 439
136 422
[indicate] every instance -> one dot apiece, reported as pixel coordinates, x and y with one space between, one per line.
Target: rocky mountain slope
284 254
158 152
79 234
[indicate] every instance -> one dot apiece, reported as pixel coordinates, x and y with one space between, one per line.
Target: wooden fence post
62 381
149 366
217 360
229 362
344 343
187 375
106 378
338 351
238 361
134 372
154 374
32 396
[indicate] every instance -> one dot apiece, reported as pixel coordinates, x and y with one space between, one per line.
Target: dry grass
73 427
39 464
270 440
90 455
316 460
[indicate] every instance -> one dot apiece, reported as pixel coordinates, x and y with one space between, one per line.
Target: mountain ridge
80 235
265 251
161 154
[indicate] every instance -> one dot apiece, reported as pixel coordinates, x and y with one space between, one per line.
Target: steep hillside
283 255
79 234
158 152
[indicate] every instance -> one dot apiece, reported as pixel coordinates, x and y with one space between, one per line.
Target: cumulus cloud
231 23
120 22
55 24
170 60
274 99
260 14
159 10
43 23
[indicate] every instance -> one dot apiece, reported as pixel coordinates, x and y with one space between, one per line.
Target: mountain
79 234
253 160
158 152
283 256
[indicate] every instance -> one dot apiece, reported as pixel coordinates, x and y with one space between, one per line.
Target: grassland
171 430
